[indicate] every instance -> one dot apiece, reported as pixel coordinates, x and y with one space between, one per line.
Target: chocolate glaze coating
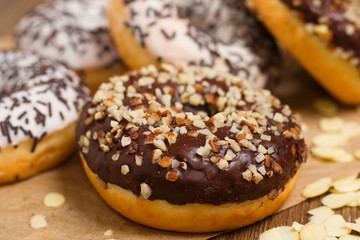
200 181
337 18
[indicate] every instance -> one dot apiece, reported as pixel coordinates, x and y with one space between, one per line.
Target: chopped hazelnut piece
172 175
145 190
165 161
125 141
125 169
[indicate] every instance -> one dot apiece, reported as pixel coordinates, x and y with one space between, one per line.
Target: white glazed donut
71 31
218 34
39 104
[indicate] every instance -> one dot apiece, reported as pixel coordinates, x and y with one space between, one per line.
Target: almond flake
349 237
38 221
350 184
320 214
280 233
317 188
108 233
54 199
312 231
335 226
331 125
329 140
334 154
357 154
297 226
337 200
353 226
326 107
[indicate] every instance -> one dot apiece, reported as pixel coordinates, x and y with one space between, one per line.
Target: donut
189 149
217 34
39 103
74 32
324 36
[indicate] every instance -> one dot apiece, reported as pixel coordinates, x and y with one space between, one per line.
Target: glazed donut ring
323 35
182 144
39 104
217 34
74 32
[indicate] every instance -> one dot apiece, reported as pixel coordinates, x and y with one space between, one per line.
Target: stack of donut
188 142
324 35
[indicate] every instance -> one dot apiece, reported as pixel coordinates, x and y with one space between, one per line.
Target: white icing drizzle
37 96
214 33
71 31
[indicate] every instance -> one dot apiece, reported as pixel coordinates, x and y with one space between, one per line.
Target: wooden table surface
12 10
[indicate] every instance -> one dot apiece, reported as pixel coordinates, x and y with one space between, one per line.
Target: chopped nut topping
138 160
278 169
172 175
165 161
145 190
125 141
160 144
222 164
156 155
125 169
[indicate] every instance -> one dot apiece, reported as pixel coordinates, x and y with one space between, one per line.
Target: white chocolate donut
217 34
74 32
39 104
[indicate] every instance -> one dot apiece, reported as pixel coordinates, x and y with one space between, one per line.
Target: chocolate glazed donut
324 35
189 142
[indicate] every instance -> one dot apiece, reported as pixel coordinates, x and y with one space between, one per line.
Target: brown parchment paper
86 216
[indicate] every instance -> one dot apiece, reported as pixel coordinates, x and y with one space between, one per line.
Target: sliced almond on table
38 221
270 234
333 124
357 154
357 220
54 199
326 107
108 233
335 226
317 188
353 226
320 214
280 233
329 140
333 154
351 129
349 184
297 226
350 237
337 200
313 231
330 238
